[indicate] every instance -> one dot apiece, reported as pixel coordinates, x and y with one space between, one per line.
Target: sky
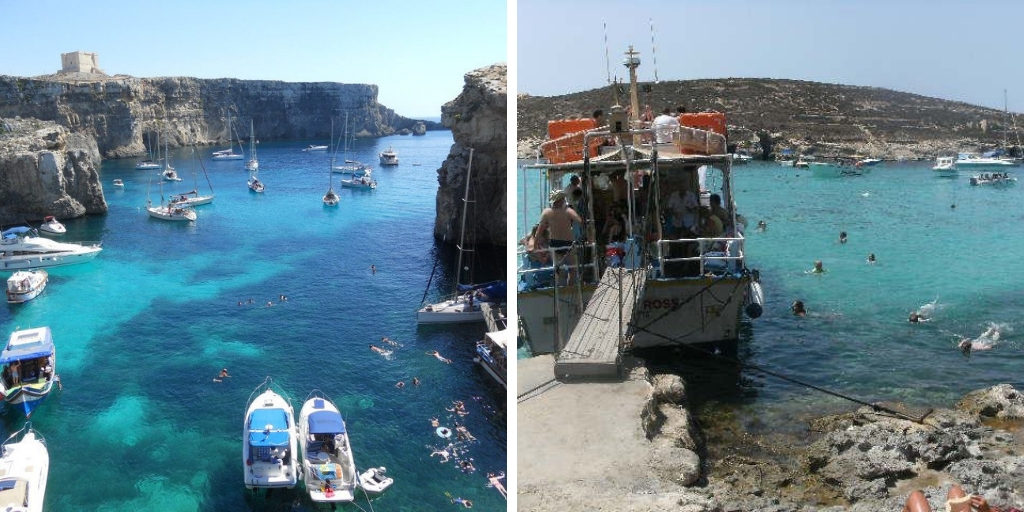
417 53
953 50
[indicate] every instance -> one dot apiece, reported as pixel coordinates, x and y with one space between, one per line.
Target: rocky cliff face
477 118
122 112
46 170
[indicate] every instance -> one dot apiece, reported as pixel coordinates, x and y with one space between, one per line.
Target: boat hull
26 399
450 312
269 452
23 262
328 476
164 214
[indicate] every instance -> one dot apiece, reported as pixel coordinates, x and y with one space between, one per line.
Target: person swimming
871 259
986 341
798 308
818 268
842 237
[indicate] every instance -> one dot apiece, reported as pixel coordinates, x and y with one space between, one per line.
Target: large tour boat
663 211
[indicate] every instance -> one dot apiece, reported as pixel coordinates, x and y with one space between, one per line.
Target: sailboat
464 306
253 164
168 173
193 198
350 166
150 164
170 211
331 198
229 154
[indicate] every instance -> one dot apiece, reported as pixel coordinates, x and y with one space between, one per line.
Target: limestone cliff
46 170
477 118
122 112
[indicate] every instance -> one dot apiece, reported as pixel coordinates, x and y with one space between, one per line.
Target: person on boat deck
15 373
720 212
574 185
535 246
665 126
710 224
683 216
557 223
598 117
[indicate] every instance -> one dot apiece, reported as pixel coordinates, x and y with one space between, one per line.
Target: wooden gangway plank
594 348
495 316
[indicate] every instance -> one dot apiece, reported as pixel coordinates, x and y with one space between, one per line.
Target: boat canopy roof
326 422
14 232
494 290
268 427
28 344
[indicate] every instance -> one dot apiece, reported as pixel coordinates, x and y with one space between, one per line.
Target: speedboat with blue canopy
328 469
28 369
269 447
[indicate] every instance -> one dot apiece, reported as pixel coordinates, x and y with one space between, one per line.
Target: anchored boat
25 285
29 369
269 447
328 469
24 466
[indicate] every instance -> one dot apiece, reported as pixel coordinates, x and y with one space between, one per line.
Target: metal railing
715 254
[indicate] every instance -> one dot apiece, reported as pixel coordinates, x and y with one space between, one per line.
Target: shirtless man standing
557 221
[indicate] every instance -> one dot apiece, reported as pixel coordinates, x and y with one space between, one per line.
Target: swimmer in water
762 225
818 268
439 357
871 259
798 308
842 237
986 341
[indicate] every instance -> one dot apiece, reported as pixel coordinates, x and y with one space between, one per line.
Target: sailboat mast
462 234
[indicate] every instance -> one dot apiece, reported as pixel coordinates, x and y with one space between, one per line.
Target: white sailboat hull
450 312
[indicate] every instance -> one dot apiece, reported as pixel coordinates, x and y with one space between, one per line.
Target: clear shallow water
856 339
142 330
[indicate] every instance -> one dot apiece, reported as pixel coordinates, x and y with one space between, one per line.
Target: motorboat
314 147
491 355
20 249
375 480
172 211
170 175
25 466
328 469
945 166
230 154
389 157
331 198
837 169
362 181
25 285
269 445
994 178
147 165
119 183
256 185
974 161
688 289
28 369
868 162
465 306
739 158
52 225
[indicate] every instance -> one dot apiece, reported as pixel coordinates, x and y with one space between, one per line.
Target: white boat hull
450 312
267 467
24 286
375 480
26 261
195 201
329 476
28 463
171 214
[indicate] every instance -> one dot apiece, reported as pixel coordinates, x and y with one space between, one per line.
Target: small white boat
328 469
254 163
331 198
461 309
230 154
170 175
25 285
375 480
313 147
191 199
388 157
118 182
995 178
147 165
741 158
868 162
52 225
256 185
172 211
29 369
836 170
25 466
20 249
269 447
364 181
492 355
945 166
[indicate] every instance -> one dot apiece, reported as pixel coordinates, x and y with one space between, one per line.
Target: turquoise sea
856 339
143 329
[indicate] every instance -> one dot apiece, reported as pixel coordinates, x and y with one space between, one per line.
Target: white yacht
147 165
328 469
389 157
20 249
269 447
25 466
25 285
975 161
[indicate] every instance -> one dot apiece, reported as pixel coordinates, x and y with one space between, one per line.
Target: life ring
444 432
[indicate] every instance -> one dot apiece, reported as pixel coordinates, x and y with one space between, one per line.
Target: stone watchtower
80 62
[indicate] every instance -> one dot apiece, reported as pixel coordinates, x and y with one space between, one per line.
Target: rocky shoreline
865 460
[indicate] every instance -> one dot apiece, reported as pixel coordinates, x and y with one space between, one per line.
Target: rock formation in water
477 118
123 112
46 170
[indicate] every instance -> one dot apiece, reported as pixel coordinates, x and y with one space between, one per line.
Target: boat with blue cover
269 447
328 469
28 369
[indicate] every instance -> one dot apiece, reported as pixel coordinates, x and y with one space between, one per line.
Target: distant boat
360 181
150 163
170 211
193 198
974 161
945 166
269 445
389 157
25 285
229 154
350 166
25 466
331 197
254 163
118 182
52 225
168 173
995 178
29 369
328 469
312 147
836 170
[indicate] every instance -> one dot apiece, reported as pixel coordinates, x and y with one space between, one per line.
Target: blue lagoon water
143 329
856 339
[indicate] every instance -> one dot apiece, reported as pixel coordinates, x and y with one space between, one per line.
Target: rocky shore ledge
632 445
47 170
